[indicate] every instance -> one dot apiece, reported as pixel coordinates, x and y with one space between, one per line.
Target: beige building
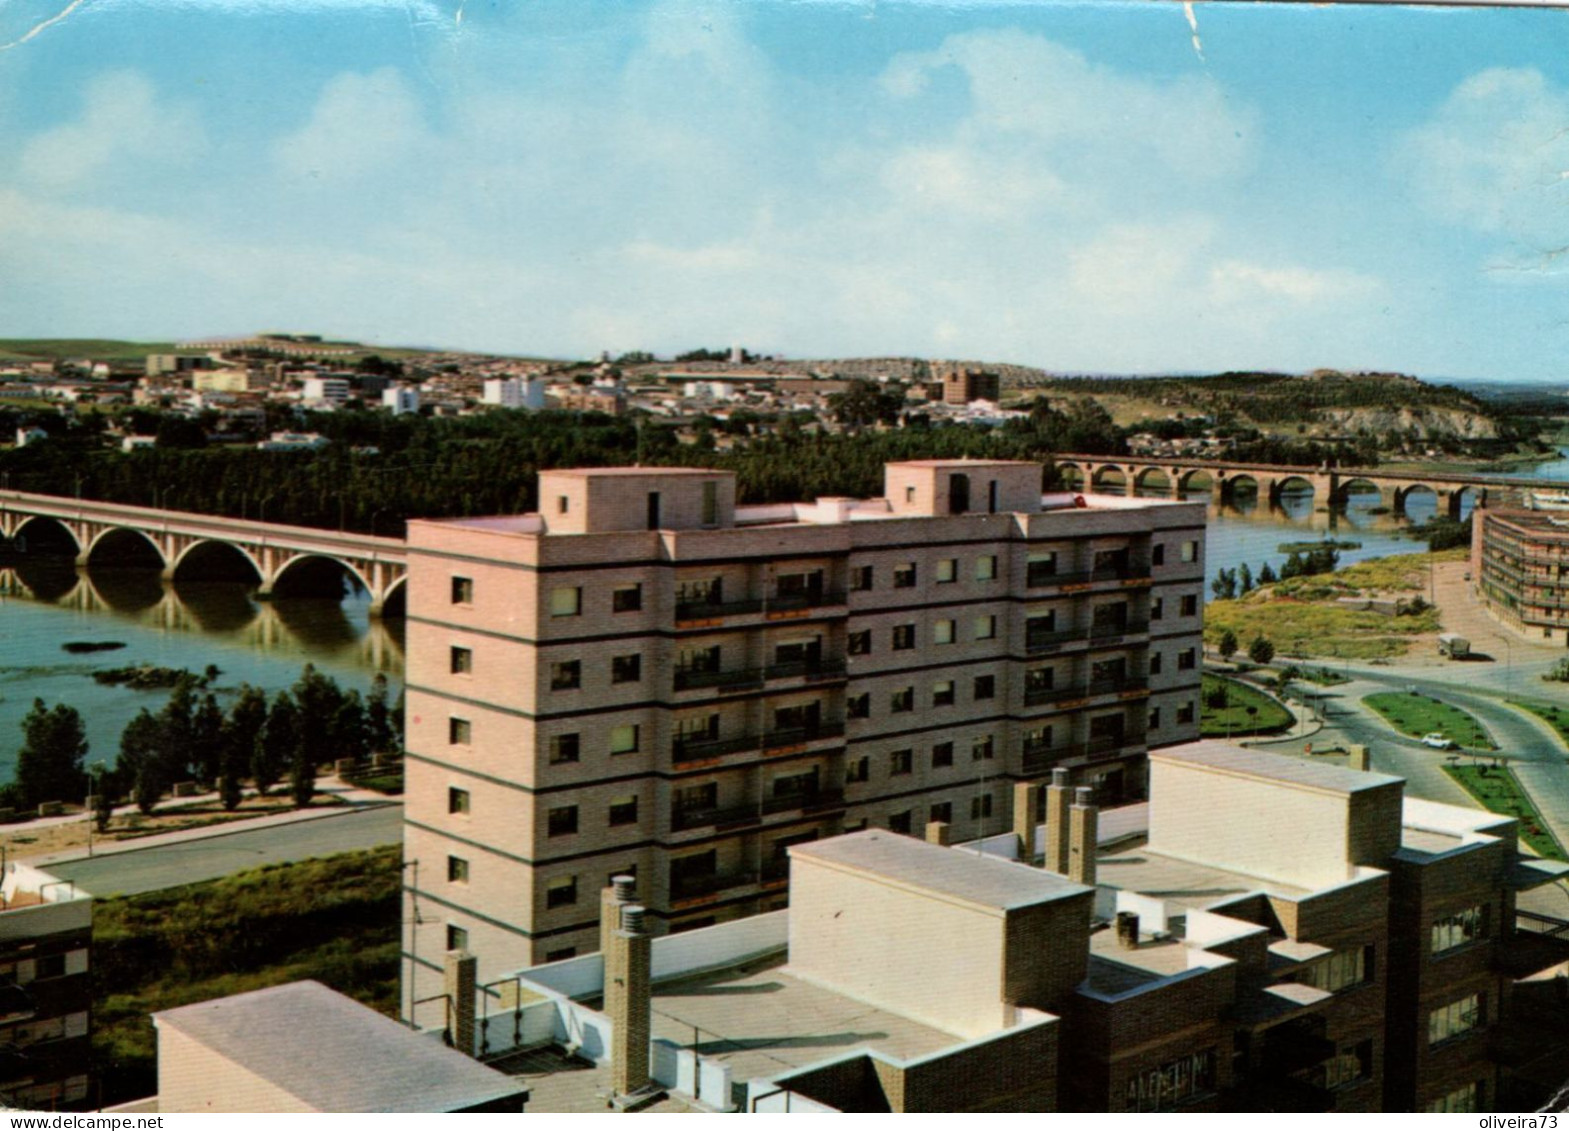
644 678
1265 934
1520 569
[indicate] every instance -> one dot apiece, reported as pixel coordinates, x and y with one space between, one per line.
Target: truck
1455 647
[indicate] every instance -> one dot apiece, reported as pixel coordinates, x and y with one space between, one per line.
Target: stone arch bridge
193 545
1331 486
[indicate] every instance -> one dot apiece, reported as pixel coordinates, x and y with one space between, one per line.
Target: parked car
1438 741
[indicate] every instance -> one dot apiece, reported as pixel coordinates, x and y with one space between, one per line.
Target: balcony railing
698 749
787 602
690 887
1085 577
1039 757
795 736
811 669
1045 641
818 799
738 677
1109 631
708 610
1039 696
784 602
683 819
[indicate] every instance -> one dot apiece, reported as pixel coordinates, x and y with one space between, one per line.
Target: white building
292 442
326 390
515 392
400 399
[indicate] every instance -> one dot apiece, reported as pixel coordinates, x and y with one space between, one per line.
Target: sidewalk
356 801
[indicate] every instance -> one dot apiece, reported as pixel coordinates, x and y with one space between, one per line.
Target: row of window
1456 1019
902 700
982 748
561 821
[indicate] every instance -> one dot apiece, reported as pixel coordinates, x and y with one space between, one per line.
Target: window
1158 554
1185 714
985 687
563 504
1463 1100
624 739
903 637
1154 723
943 694
457 800
858 770
947 571
1340 971
986 627
1041 569
1187 660
457 870
1158 608
1190 551
563 748
459 732
561 955
49 966
567 675
462 591
561 891
623 810
710 503
899 822
626 669
901 762
1190 605
981 807
904 576
1459 929
626 598
942 755
457 938
566 601
858 706
982 748
1349 1065
1155 663
861 578
986 567
562 821
462 661
1172 1083
909 494
942 811
943 632
1455 1019
859 643
902 700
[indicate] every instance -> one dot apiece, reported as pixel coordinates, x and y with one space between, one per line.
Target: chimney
1057 795
1127 930
611 900
1082 838
627 1002
1358 759
461 977
937 833
1025 803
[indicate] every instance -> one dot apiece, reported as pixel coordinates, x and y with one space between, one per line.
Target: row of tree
192 738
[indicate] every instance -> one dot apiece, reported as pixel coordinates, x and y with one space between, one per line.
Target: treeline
382 469
192 739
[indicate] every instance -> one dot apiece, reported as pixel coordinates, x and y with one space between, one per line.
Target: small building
332 391
293 442
302 1047
400 400
134 443
25 436
514 392
161 363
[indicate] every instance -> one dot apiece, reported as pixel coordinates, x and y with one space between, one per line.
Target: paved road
167 866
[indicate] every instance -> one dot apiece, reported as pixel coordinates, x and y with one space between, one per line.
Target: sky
1095 187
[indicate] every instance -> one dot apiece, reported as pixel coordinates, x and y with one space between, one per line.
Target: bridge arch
122 547
1152 479
1198 479
44 535
395 601
1240 484
1415 491
1102 478
1070 475
313 575
1359 485
1290 484
212 559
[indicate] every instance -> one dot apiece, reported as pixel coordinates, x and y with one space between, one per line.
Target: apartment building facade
1520 569
645 679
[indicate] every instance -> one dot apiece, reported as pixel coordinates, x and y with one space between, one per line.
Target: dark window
899 822
1158 554
457 800
901 762
1158 608
902 700
858 770
50 966
1155 663
626 598
859 706
457 938
563 821
1154 718
626 669
1185 714
859 643
563 748
561 891
1187 660
457 870
462 661
566 675
943 811
653 510
942 754
861 578
943 694
459 733
561 955
985 687
904 576
903 637
981 748
623 811
958 494
1042 568
462 591
1190 605
981 807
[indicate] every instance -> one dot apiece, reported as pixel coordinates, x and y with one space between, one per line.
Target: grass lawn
334 919
1500 792
1555 717
1418 715
1268 716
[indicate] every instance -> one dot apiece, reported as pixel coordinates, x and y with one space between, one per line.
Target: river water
266 643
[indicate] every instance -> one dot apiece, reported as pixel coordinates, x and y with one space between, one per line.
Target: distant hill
98 349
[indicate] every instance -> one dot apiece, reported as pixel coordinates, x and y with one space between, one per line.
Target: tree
378 716
103 800
318 698
277 746
241 730
49 767
1266 575
177 740
207 739
865 403
1261 651
350 732
140 764
1228 645
1244 579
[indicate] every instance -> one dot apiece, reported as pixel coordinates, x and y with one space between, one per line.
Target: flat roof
607 472
1189 884
953 873
1240 760
335 1054
963 463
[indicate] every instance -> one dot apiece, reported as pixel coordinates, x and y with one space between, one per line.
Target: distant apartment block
158 364
1520 568
644 678
230 381
332 391
46 992
514 392
292 442
401 400
961 386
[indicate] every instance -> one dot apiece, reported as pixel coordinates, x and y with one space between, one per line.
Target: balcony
1036 642
1087 577
714 610
702 749
692 887
1107 633
1041 696
739 679
1040 757
790 602
682 820
780 603
796 736
807 802
810 670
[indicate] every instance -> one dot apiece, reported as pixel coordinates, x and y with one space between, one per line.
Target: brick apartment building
1520 569
645 679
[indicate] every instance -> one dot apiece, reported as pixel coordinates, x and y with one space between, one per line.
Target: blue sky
1092 187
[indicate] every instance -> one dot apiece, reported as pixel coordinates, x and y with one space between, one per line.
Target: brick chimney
1082 837
1026 796
627 1002
461 970
611 900
1058 795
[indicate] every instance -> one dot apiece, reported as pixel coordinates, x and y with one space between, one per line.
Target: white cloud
122 120
363 125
